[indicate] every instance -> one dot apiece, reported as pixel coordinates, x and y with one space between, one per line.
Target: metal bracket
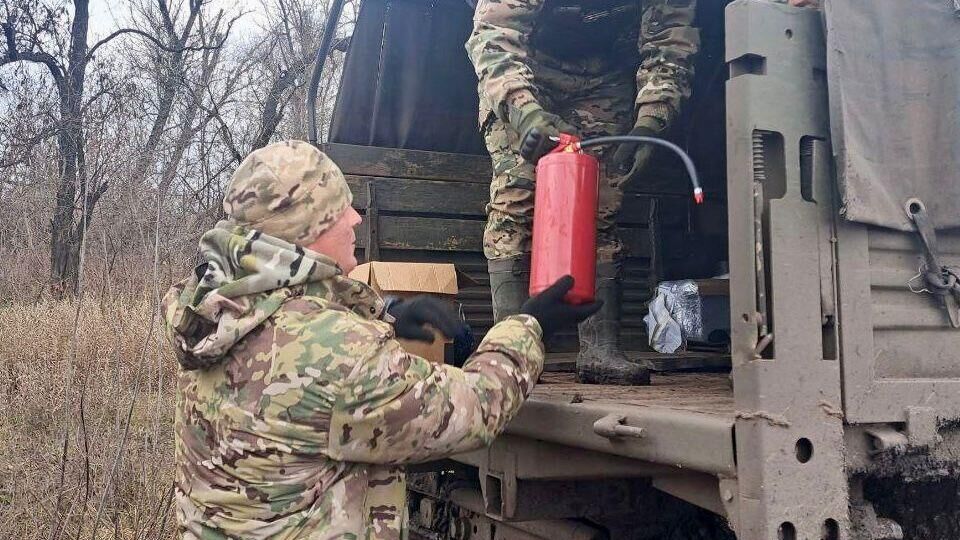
885 439
614 425
939 280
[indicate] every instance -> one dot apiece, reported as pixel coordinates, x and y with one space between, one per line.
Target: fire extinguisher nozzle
687 162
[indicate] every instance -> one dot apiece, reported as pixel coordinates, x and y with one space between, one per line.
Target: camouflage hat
289 190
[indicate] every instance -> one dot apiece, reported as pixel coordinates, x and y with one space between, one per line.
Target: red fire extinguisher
565 221
565 214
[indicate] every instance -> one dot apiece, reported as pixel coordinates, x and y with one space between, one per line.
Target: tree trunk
64 254
66 238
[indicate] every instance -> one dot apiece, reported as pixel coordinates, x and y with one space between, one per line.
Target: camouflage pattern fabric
289 189
306 408
601 107
600 94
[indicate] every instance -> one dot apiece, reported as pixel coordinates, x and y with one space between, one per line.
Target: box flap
404 277
361 273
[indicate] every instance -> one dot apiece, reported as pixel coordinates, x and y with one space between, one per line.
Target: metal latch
933 277
614 425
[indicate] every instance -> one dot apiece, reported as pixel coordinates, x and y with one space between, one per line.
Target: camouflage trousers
596 106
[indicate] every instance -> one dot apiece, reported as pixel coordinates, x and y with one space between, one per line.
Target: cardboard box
405 280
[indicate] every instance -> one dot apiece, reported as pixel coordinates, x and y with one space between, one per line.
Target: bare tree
57 39
281 63
172 60
28 30
292 47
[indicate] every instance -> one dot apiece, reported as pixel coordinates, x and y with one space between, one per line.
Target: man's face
339 242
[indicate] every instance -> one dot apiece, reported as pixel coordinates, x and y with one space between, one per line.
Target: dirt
919 489
928 510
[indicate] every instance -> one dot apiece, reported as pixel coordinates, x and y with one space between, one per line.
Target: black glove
412 314
634 156
539 131
552 312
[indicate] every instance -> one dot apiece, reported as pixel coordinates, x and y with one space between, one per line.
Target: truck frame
841 376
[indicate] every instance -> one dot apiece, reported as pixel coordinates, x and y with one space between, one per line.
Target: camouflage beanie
289 190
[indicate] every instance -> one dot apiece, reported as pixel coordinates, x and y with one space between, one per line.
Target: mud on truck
827 144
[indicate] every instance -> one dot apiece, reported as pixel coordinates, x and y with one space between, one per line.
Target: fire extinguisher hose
687 162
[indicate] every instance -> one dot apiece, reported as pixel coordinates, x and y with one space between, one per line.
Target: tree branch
27 146
153 40
167 20
14 55
224 129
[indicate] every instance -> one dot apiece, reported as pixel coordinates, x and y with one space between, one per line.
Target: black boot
509 285
600 360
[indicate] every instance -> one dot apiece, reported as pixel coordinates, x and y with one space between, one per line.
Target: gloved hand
537 129
635 156
412 314
552 312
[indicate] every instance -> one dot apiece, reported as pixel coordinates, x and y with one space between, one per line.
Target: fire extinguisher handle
566 143
687 161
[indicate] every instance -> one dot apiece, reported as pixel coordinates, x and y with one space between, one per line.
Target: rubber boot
509 285
600 360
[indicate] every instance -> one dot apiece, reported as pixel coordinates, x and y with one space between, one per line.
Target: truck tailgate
684 420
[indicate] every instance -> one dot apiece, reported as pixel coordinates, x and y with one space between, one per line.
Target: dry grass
85 421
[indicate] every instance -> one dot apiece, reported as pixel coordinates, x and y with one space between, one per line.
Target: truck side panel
899 352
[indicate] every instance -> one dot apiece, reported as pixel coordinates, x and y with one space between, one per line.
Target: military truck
837 415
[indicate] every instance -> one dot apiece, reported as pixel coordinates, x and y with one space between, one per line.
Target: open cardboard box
406 280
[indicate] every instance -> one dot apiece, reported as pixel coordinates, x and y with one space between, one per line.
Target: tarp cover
894 78
408 82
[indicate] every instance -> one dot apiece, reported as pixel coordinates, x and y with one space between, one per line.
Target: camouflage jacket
509 36
305 409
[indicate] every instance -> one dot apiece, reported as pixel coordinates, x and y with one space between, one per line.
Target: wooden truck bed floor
705 393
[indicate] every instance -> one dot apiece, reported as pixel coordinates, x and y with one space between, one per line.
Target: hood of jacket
245 277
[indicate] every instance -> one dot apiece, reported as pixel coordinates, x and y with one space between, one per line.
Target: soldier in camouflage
597 68
296 407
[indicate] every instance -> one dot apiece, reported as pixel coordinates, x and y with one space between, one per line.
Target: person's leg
606 109
508 234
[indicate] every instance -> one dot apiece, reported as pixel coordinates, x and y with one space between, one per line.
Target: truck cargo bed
685 420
